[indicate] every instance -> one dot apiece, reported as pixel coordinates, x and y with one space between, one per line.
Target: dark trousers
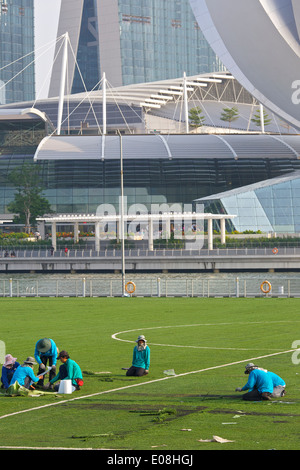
255 395
135 371
52 373
63 373
27 382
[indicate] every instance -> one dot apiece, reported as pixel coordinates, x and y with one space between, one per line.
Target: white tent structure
149 220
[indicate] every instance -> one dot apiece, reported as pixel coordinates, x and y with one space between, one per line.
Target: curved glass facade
272 206
256 177
80 186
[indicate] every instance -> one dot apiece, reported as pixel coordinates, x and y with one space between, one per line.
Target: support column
62 83
76 236
168 228
223 237
97 236
185 99
118 231
150 234
53 235
209 234
41 229
104 104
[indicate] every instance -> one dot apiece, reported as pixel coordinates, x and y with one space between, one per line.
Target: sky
46 22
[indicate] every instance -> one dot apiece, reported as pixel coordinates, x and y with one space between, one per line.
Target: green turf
184 334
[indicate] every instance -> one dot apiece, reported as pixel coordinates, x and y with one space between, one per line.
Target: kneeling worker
259 385
68 370
9 367
24 374
141 358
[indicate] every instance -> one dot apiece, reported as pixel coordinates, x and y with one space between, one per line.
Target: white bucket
65 386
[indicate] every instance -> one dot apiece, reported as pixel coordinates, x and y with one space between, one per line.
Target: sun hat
141 338
30 360
9 360
43 345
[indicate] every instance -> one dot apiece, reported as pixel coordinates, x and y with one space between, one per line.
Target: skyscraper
16 51
132 41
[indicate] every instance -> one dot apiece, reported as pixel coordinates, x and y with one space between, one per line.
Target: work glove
42 366
238 389
53 368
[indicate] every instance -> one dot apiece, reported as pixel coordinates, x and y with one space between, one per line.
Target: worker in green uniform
141 358
68 370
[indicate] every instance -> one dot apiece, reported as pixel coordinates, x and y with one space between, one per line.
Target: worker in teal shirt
69 370
24 374
259 385
141 358
46 352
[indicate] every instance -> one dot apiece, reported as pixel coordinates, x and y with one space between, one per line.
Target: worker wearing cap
24 374
278 383
46 351
68 370
259 384
141 358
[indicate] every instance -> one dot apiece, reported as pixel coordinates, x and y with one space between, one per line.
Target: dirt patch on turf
133 408
148 410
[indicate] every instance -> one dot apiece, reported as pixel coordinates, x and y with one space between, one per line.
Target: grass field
206 341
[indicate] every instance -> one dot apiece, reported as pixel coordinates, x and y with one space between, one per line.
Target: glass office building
16 51
161 40
88 51
131 41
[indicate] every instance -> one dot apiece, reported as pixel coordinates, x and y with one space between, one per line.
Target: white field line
115 335
144 383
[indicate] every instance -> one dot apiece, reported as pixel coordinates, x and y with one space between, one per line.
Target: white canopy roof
168 146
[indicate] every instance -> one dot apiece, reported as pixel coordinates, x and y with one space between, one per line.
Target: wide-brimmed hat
9 360
30 360
43 345
141 338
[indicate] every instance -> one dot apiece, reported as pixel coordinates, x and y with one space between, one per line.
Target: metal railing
90 253
43 286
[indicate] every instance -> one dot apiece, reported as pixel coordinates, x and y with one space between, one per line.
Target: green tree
196 118
257 119
29 202
229 115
